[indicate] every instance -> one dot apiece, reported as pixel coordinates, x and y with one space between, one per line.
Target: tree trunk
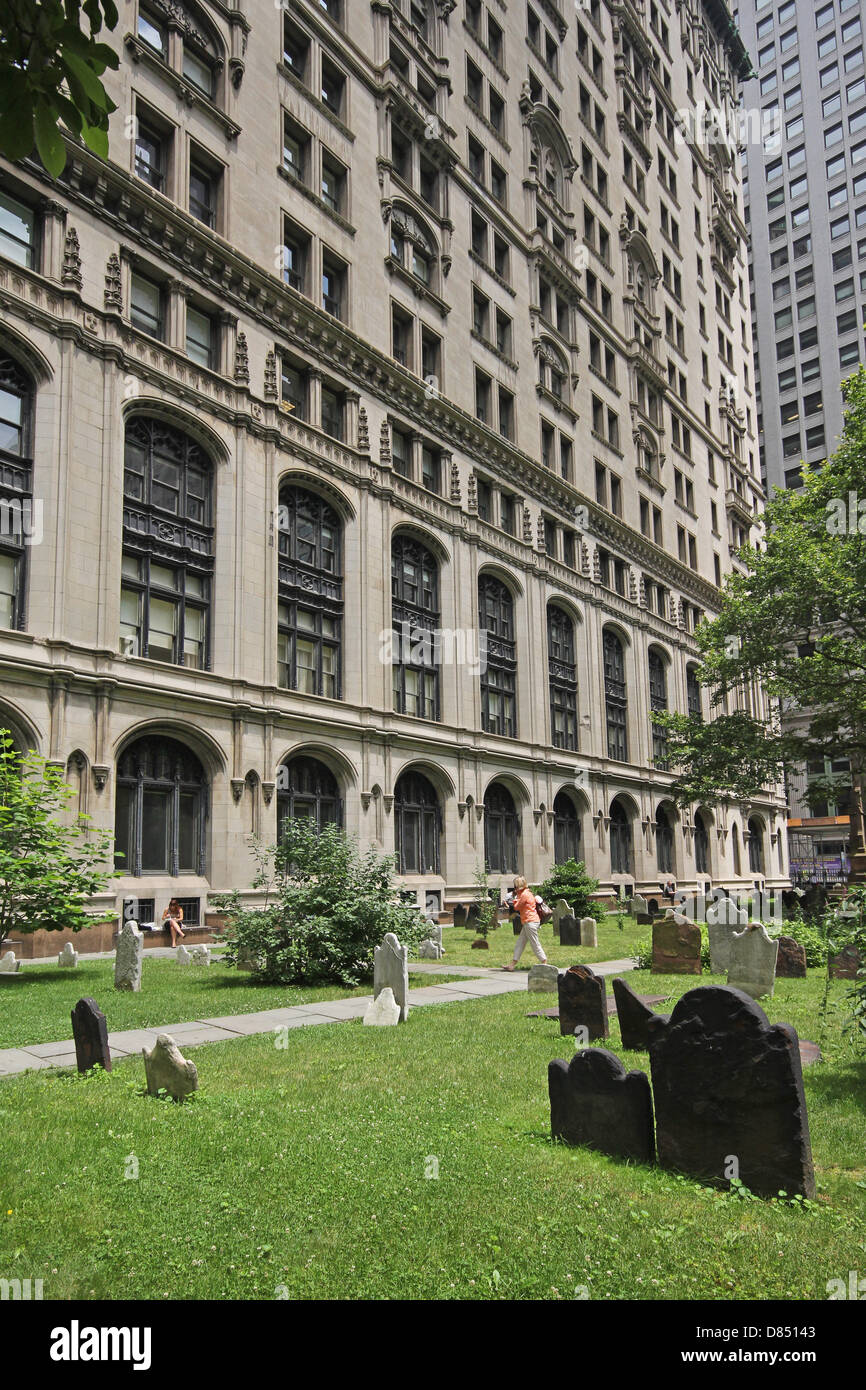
856 838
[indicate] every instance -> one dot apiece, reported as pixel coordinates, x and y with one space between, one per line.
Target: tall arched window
566 829
167 565
307 790
735 849
417 818
415 620
563 678
693 693
160 809
615 697
702 845
756 846
16 483
496 623
620 840
310 618
658 686
664 842
501 830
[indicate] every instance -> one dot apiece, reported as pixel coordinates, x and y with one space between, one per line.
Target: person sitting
173 917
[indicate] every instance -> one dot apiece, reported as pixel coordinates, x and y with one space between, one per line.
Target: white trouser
529 937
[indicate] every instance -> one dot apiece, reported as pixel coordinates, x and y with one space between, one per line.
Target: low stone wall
40 945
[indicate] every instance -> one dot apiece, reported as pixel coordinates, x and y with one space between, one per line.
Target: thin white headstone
383 1011
391 970
128 958
68 956
752 965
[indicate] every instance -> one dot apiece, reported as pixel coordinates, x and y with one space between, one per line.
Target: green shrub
573 884
327 908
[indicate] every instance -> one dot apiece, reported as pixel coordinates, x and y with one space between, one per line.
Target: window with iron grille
658 687
16 471
310 617
616 702
563 679
496 624
415 620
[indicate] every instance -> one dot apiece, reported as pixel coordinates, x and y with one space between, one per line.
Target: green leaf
16 132
49 141
95 139
86 76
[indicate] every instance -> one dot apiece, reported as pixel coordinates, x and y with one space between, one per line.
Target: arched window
501 830
195 55
664 842
702 845
415 622
416 807
16 482
563 678
620 840
756 846
307 790
658 687
412 245
693 693
167 565
310 617
161 809
553 374
735 849
566 829
615 697
496 624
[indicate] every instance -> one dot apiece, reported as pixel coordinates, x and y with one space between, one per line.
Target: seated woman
173 917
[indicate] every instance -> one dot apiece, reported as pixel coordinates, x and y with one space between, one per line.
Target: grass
302 1173
613 944
36 1010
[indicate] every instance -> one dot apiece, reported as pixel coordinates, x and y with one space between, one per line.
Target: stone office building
381 317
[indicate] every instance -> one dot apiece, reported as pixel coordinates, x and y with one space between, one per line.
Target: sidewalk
481 982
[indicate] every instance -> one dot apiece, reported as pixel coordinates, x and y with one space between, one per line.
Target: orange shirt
524 903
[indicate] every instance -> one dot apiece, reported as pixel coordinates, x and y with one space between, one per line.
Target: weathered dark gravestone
676 946
791 960
582 1002
90 1031
473 915
596 1103
634 1016
728 1089
845 964
459 915
569 930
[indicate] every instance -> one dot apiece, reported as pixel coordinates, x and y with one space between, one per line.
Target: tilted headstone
845 963
676 946
68 957
569 930
128 958
721 936
728 1091
166 1070
752 965
560 909
594 1102
582 1002
542 979
383 1011
430 950
791 960
638 904
199 955
634 1016
391 970
588 931
9 965
182 956
90 1031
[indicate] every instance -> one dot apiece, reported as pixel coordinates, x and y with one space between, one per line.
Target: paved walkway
481 982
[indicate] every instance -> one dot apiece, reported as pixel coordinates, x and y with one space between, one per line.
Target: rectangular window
199 337
150 156
333 185
145 306
334 287
202 195
333 413
333 87
17 231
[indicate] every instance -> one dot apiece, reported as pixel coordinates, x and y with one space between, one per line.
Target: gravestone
68 957
728 1084
542 979
639 904
588 931
594 1102
459 915
473 915
246 960
569 931
391 970
90 1031
582 1002
752 965
645 919
383 1011
791 960
166 1070
9 965
721 936
560 909
726 913
182 956
199 955
845 963
676 945
128 957
430 950
634 1016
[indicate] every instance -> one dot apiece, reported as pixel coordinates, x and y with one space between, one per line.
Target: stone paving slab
14 1059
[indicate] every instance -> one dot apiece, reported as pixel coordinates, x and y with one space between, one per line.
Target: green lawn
301 1173
37 1009
613 944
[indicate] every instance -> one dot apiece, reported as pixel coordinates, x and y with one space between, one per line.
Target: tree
794 623
50 74
47 870
571 883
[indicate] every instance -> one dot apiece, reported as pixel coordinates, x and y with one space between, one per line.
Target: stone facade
512 379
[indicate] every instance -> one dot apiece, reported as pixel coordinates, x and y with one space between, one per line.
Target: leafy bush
573 884
327 907
487 903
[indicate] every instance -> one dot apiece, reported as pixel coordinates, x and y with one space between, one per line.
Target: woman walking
524 903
